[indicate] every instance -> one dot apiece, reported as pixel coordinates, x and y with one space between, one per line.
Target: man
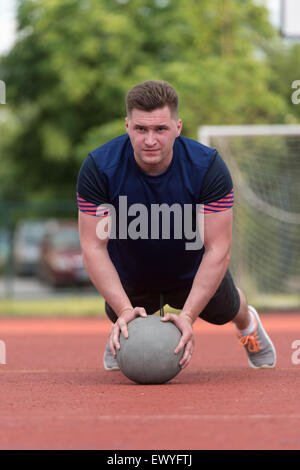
153 167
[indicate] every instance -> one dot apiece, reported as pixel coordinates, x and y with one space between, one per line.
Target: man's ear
126 124
179 127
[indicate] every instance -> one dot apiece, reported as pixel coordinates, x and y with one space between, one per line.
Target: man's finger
180 345
114 339
167 317
116 335
112 347
140 311
185 359
188 352
123 327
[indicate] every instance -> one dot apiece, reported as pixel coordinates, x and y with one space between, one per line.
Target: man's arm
98 264
104 275
215 262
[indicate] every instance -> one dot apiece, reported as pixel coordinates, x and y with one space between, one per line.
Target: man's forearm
105 278
209 275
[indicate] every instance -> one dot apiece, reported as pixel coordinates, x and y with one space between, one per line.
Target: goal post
264 162
206 133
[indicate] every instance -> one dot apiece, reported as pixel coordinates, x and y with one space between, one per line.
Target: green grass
73 306
66 306
275 302
56 307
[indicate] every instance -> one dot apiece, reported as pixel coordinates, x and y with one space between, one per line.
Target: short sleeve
217 192
91 191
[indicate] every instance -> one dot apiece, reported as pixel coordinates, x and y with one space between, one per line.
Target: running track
55 394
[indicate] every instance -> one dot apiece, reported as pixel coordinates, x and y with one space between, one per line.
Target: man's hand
187 340
121 326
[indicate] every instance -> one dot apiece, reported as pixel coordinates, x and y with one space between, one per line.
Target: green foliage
74 61
284 63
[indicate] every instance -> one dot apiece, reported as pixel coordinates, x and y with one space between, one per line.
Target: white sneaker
260 349
109 362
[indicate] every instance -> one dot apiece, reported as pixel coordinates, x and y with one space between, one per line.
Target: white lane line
127 418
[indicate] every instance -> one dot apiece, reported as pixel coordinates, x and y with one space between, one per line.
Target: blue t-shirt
149 250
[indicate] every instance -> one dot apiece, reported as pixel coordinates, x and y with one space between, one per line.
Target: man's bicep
218 230
93 231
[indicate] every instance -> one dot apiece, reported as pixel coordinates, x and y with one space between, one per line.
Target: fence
23 228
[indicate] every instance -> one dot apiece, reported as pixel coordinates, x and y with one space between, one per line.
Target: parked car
61 261
27 244
4 247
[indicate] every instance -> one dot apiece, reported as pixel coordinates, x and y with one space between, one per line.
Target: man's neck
154 170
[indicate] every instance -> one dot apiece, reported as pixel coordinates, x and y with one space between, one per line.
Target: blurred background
67 66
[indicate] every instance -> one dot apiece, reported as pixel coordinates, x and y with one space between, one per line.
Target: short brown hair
150 95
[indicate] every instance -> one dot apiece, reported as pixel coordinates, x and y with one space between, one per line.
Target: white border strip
205 132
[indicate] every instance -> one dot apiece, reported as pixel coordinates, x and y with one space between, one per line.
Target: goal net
264 162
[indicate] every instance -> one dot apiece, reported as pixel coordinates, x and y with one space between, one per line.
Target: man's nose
150 139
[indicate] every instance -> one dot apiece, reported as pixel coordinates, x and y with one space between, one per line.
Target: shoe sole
110 369
263 366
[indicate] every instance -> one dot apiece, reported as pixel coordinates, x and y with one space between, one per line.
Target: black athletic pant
221 309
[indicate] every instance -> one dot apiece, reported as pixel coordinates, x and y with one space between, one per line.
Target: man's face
152 135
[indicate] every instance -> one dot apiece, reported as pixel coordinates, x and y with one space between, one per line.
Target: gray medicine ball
147 355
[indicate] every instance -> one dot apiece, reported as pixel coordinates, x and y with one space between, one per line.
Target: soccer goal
264 161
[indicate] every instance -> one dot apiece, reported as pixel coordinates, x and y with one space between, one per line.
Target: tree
284 62
75 60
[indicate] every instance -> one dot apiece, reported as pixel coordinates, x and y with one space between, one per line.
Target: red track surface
55 393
